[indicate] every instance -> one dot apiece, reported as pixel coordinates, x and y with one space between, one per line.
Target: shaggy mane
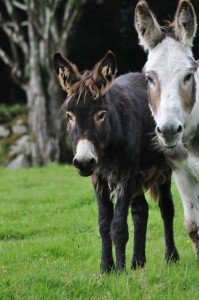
83 86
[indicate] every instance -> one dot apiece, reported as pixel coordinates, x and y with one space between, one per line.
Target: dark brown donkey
111 129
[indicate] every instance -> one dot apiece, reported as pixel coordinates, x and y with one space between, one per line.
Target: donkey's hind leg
165 202
139 211
105 216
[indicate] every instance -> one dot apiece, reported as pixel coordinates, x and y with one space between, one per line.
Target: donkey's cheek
154 98
188 97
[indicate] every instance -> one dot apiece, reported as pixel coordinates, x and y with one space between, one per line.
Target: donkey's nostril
86 164
180 128
92 163
75 163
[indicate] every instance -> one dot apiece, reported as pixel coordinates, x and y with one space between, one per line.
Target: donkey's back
129 95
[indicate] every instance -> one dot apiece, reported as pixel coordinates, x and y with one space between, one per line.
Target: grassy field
50 245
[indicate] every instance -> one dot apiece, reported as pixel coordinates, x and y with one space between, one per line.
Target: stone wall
14 141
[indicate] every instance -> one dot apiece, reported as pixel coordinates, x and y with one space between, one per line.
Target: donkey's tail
153 193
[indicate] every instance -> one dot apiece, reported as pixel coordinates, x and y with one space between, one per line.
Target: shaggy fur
120 157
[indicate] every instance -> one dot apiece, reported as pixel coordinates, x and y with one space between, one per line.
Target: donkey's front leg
139 211
188 188
165 202
119 227
105 211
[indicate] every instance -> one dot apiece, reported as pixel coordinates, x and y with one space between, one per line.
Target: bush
13 110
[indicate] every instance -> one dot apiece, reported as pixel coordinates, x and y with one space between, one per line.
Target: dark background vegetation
83 31
103 25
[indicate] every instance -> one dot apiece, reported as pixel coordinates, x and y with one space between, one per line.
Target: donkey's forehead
169 55
84 102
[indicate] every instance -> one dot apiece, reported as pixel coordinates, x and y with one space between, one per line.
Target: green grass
50 246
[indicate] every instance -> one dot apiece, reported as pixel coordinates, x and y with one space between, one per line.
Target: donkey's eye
69 115
150 80
99 117
188 77
71 119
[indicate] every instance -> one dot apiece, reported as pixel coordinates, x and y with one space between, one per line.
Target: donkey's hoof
120 270
196 250
107 268
138 263
197 253
172 255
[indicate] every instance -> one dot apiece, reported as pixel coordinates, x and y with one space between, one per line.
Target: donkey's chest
189 166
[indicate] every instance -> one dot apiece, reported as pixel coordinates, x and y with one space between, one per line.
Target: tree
35 30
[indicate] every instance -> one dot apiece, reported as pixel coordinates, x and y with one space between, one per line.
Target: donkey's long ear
147 26
105 71
66 71
185 24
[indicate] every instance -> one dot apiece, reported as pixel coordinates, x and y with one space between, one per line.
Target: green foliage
9 116
100 2
5 144
50 245
13 110
2 150
73 1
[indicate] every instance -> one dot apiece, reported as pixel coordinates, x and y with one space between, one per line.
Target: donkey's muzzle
170 134
85 167
85 159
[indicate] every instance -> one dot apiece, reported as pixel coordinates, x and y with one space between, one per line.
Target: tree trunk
47 26
40 149
54 99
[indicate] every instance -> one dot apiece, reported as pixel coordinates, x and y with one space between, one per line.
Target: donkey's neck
192 122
